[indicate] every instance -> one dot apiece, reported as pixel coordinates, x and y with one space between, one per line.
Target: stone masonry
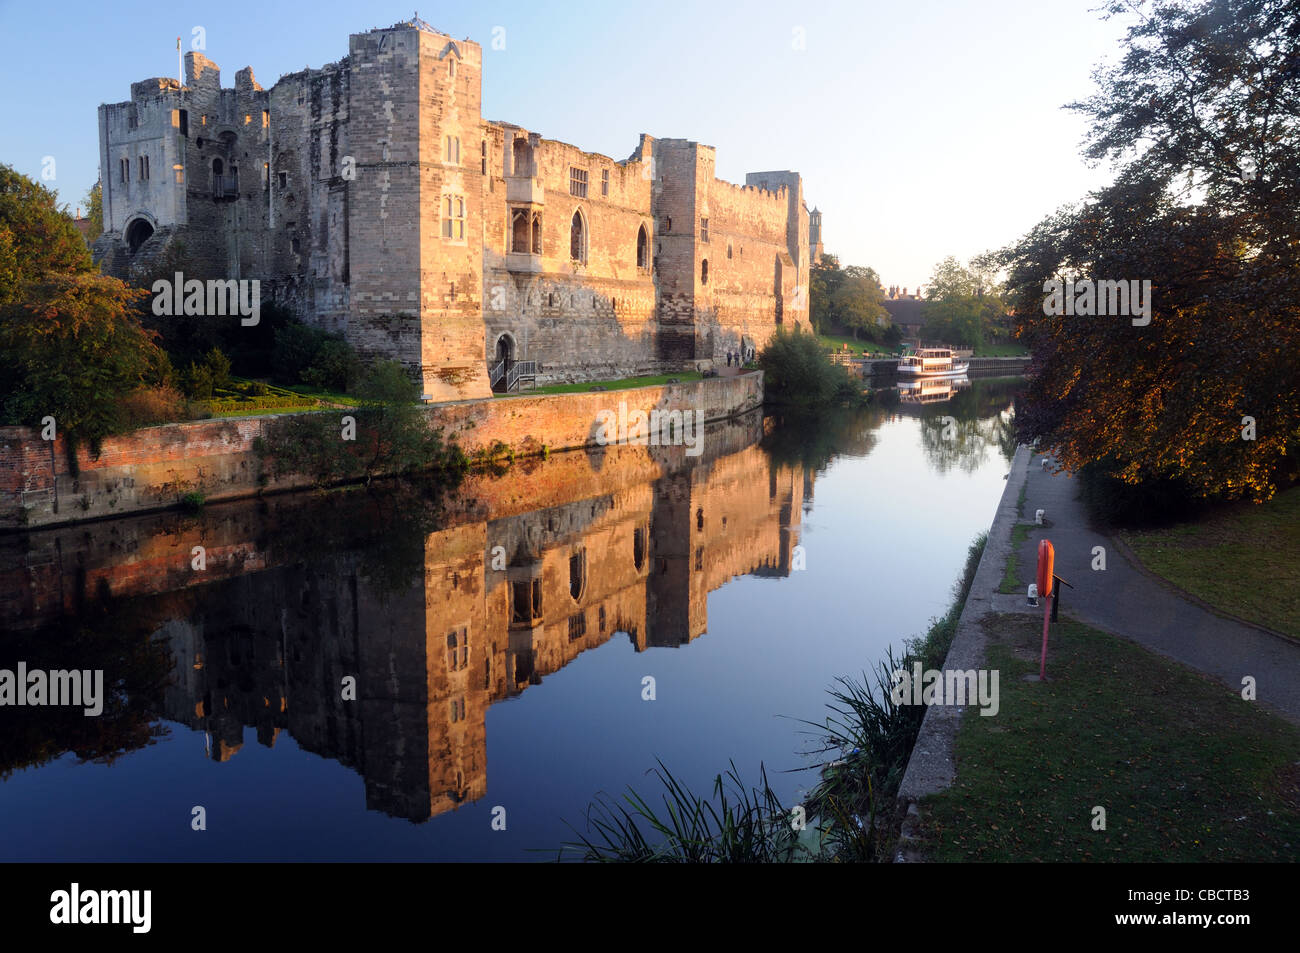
373 198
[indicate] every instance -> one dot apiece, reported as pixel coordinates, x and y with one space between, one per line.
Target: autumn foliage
1207 396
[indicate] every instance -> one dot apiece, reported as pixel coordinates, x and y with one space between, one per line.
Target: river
386 675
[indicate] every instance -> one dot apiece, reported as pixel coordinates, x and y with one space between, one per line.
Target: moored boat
932 362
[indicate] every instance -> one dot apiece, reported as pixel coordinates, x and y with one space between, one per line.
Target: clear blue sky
922 128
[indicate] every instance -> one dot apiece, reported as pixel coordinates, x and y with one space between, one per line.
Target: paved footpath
1127 601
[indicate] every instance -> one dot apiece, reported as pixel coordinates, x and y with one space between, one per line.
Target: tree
71 349
71 346
857 302
963 303
797 370
824 281
95 210
1206 396
35 237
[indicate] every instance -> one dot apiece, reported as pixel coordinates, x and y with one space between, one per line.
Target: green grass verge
1186 770
835 342
624 384
1000 350
1244 559
1011 581
328 396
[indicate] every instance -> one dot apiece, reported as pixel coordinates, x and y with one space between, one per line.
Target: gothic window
453 220
638 547
519 228
458 709
578 238
124 169
451 151
728 249
537 233
642 248
578 574
704 272
578 182
457 650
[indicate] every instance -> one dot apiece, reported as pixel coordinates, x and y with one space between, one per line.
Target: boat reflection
931 391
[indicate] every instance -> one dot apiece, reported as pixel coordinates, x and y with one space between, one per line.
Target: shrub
335 366
149 406
798 371
196 382
219 366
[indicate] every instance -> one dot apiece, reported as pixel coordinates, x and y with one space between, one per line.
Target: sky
922 128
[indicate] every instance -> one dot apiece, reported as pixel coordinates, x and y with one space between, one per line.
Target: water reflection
377 628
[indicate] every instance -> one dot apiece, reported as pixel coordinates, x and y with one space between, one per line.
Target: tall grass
747 825
850 812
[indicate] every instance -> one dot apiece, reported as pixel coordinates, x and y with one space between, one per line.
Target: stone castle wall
372 198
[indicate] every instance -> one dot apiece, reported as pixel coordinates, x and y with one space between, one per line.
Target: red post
1042 664
1046 561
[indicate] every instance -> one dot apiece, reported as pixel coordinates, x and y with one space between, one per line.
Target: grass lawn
836 342
332 397
1001 350
623 384
1186 770
1244 559
1011 581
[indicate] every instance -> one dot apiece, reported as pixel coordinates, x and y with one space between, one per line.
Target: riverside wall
156 467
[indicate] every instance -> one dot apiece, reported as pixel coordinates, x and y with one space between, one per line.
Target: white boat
932 362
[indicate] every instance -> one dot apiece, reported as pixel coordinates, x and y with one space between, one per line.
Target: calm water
499 642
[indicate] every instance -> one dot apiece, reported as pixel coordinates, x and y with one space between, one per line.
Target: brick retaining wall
155 467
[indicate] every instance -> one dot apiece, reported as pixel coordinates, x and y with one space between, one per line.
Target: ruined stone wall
582 318
746 252
373 200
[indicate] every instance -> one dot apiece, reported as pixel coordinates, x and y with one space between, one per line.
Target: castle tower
416 252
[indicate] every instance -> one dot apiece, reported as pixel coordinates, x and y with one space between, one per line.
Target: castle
373 198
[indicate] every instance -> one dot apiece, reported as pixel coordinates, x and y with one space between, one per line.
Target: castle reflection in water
520 574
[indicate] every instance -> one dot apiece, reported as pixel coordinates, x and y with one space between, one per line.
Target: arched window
578 574
578 238
523 156
638 547
519 232
704 271
537 233
451 67
642 248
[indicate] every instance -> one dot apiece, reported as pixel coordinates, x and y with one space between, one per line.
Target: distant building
815 245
